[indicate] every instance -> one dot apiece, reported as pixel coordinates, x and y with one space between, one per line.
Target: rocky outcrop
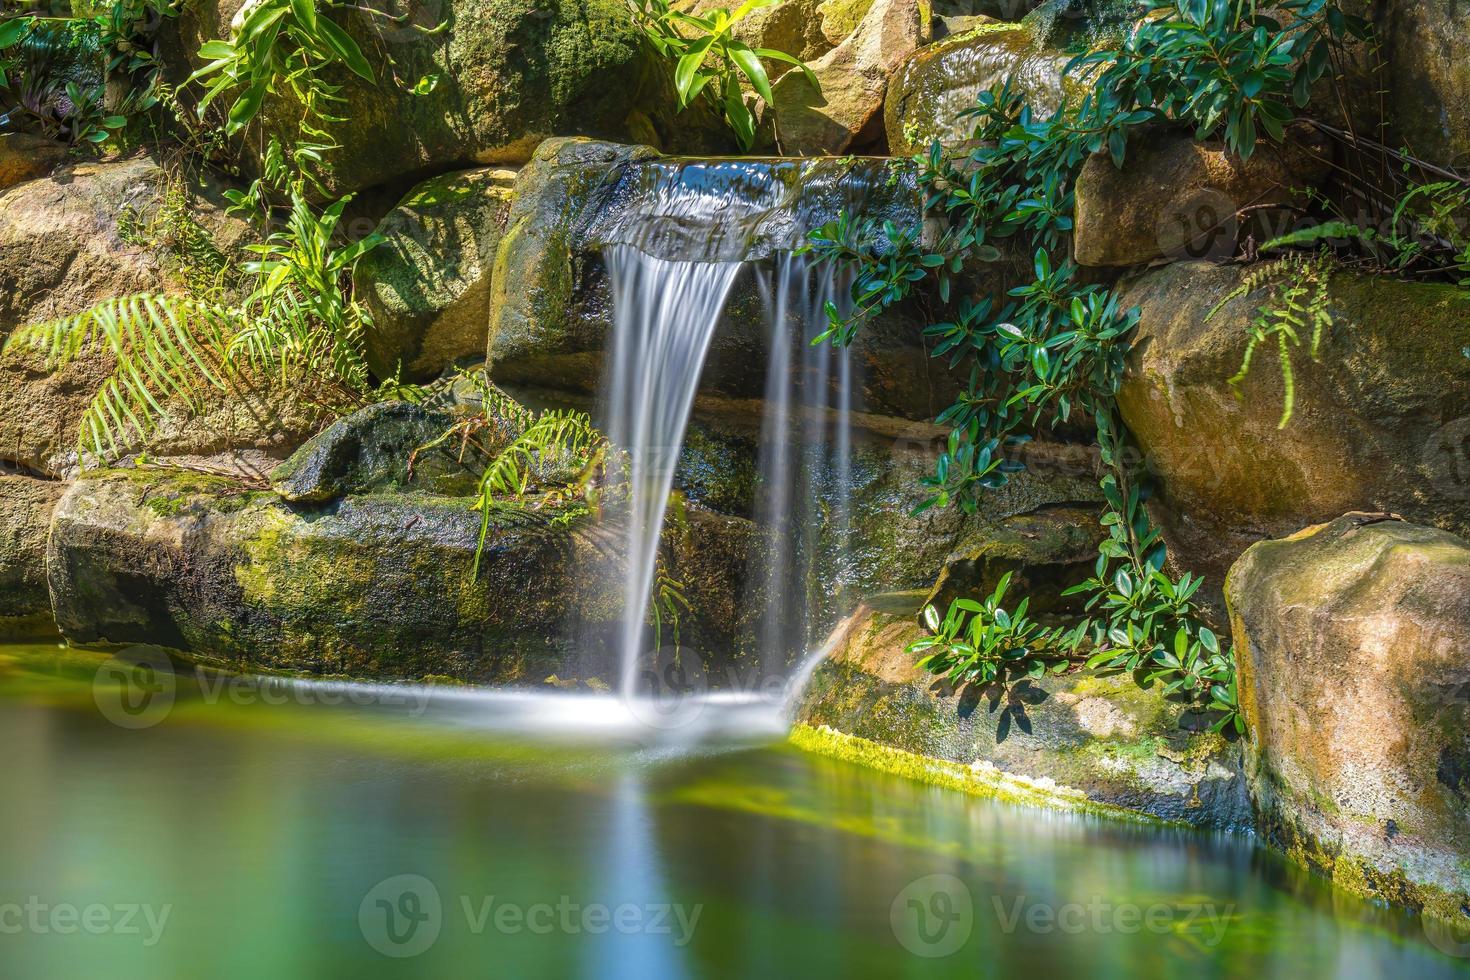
370 451
510 73
846 110
551 301
935 83
1100 735
1424 43
1178 199
1380 422
24 157
796 27
62 250
1351 641
26 506
427 287
371 586
1045 552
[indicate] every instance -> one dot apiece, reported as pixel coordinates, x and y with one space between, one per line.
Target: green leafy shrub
709 63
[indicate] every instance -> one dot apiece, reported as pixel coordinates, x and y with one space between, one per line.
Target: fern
552 436
167 348
1299 302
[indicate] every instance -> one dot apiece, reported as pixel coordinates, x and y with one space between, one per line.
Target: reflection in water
265 829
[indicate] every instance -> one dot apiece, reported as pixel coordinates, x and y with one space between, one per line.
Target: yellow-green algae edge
982 780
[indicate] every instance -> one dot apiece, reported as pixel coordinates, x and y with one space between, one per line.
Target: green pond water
258 828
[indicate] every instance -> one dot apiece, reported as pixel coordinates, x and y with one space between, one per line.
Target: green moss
983 780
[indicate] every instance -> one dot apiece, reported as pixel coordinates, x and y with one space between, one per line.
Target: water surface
495 836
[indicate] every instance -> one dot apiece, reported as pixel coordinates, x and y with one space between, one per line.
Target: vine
1055 346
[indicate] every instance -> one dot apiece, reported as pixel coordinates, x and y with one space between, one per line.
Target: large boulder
24 157
372 586
66 243
847 111
26 506
1380 424
551 297
1179 199
385 446
796 27
1101 736
378 584
510 74
1351 641
427 287
938 81
1424 43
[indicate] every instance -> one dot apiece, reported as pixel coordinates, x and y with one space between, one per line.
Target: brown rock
26 157
1351 640
1381 421
1176 199
62 251
854 78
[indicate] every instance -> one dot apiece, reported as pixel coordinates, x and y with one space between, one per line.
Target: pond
235 827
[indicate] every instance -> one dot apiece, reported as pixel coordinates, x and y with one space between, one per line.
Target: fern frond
167 349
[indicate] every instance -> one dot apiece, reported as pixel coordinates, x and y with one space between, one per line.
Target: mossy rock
370 450
1380 421
1350 640
427 286
510 74
551 304
369 585
933 85
1099 736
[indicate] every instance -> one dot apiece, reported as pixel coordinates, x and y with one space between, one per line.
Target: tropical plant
983 642
297 328
532 460
278 46
709 63
1241 68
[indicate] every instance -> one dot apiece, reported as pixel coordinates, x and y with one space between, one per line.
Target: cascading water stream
682 237
664 317
806 440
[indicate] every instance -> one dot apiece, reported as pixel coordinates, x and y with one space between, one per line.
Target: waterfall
806 449
677 238
664 316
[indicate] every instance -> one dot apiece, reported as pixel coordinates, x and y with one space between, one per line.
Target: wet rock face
26 506
1177 199
369 452
427 287
1351 641
511 73
1101 735
934 84
1381 420
551 305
